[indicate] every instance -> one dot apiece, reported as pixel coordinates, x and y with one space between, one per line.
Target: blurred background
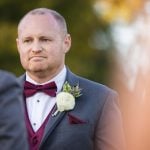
110 45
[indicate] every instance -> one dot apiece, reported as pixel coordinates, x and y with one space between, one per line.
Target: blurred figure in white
133 77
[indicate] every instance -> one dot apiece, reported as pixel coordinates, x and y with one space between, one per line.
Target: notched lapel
53 121
51 124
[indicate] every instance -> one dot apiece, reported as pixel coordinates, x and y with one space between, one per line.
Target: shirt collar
59 79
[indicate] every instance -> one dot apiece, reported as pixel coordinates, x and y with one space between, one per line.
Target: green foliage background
90 55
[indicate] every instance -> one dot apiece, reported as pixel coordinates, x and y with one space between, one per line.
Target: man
12 126
94 123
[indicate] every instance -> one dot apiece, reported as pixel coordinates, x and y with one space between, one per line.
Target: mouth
37 58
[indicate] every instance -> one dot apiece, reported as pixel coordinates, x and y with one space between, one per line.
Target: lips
37 58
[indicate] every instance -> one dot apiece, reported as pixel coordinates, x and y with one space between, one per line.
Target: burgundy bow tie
49 88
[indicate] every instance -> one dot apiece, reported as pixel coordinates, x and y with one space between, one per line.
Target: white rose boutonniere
65 100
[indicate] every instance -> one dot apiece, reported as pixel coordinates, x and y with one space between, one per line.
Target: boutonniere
65 100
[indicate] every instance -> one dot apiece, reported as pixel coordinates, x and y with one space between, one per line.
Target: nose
36 47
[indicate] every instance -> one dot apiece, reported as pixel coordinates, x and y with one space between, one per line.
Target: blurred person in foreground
13 134
63 111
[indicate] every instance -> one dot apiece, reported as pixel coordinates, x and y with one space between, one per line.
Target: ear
17 42
67 43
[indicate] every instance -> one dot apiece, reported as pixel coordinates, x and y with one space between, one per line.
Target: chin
37 66
36 69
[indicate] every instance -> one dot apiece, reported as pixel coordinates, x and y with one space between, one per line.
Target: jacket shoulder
95 86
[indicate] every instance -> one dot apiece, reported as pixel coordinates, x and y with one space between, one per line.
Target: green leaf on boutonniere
74 90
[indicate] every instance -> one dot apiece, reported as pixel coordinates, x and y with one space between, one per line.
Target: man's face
42 44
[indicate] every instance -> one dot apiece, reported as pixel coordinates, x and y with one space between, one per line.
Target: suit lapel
53 121
51 124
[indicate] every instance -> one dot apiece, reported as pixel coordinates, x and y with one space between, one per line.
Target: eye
45 40
27 41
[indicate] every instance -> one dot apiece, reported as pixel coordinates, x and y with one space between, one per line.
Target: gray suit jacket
96 125
13 134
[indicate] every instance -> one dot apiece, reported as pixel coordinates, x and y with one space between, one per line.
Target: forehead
37 23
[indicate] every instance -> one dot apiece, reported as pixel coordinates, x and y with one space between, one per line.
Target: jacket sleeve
109 133
12 126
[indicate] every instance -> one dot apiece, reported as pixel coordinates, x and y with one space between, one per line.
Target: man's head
44 11
43 42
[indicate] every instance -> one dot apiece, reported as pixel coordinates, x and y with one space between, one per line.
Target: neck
42 77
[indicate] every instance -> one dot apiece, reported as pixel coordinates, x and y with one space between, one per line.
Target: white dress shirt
40 104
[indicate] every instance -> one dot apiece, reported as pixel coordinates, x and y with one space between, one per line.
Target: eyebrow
40 37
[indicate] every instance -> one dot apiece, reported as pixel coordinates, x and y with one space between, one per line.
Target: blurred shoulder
7 78
5 74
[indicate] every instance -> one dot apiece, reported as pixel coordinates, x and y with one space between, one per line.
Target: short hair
42 11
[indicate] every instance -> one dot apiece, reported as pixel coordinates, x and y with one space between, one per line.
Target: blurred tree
114 10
